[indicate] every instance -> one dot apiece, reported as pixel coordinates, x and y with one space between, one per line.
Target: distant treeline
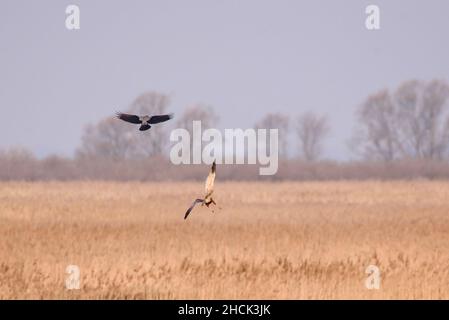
22 165
399 134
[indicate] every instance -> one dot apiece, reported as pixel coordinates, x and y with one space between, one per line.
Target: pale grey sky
245 58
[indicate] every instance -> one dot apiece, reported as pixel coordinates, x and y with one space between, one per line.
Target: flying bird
144 121
209 190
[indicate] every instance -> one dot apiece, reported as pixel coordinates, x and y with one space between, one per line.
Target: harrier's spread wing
160 118
210 181
191 207
129 118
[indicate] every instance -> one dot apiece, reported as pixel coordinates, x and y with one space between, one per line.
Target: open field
270 240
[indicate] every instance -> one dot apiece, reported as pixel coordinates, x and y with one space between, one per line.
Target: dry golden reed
311 240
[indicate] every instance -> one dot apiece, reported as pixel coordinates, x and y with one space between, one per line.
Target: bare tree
376 136
117 140
411 133
282 123
423 119
18 163
311 130
109 139
198 112
411 123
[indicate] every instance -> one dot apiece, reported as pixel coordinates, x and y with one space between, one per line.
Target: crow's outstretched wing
191 207
160 118
129 118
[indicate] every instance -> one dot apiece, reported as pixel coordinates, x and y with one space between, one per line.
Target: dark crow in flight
144 121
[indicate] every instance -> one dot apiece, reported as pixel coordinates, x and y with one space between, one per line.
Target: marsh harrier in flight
209 190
